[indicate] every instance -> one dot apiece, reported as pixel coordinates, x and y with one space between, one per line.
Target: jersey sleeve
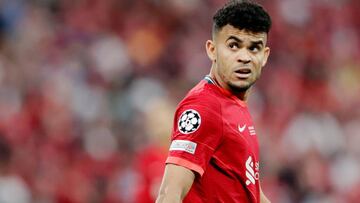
197 132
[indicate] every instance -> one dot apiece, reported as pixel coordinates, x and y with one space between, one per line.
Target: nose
243 56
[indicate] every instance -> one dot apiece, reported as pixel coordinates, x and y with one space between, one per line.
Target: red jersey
214 136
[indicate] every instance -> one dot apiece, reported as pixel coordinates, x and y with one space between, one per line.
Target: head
238 48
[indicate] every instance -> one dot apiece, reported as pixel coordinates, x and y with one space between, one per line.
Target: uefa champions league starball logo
189 121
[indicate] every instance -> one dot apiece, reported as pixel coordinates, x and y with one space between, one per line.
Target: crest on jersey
189 121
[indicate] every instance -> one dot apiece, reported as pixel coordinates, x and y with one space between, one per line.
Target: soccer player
214 153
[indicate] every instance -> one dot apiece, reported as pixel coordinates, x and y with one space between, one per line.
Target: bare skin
176 184
237 58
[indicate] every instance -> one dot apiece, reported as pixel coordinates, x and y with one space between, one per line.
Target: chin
239 88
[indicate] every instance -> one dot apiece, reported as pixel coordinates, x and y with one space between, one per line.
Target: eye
233 45
254 48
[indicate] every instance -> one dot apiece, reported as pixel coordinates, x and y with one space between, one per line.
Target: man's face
238 57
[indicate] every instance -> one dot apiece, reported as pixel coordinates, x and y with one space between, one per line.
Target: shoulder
202 95
203 103
199 117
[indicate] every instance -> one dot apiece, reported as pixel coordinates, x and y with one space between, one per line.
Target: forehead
228 31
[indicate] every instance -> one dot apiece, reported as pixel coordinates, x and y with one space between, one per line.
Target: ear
266 55
210 50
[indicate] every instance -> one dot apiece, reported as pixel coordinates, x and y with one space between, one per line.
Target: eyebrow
259 42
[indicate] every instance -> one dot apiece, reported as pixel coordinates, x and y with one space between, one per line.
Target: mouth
243 73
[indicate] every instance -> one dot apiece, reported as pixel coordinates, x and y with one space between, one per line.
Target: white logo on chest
242 128
251 129
252 171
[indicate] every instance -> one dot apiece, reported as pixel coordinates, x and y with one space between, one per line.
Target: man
214 155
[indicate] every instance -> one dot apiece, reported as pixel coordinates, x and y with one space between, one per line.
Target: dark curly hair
242 14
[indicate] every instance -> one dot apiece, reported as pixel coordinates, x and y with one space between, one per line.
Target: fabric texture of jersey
214 136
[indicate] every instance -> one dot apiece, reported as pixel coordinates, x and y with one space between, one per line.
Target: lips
243 73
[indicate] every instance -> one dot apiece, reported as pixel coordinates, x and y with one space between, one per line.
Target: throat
240 92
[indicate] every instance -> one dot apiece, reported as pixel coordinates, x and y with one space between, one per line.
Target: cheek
259 61
258 72
223 63
228 61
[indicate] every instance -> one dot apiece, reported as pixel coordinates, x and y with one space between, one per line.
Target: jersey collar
226 92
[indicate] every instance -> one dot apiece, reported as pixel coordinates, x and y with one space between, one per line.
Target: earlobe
210 50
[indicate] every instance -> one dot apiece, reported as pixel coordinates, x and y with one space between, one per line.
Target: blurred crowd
88 89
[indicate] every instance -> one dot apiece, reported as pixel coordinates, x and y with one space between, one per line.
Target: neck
242 95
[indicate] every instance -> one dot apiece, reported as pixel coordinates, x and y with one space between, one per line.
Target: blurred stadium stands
88 89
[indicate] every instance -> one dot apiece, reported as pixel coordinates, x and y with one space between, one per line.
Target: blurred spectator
13 189
88 88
